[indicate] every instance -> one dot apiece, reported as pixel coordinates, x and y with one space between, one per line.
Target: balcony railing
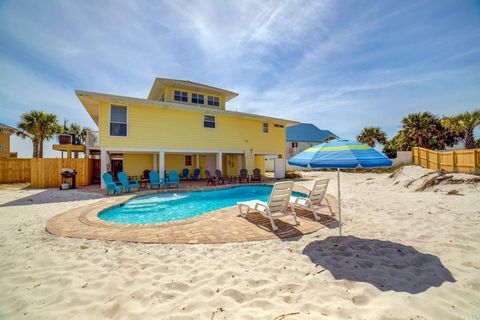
92 139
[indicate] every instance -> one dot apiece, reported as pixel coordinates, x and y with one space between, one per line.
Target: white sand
371 274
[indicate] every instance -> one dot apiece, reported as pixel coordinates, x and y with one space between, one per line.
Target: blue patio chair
127 184
155 179
111 185
196 174
173 179
185 174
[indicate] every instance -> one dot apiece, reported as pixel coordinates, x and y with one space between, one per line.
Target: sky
341 65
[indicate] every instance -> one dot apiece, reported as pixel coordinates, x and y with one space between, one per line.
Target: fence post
476 158
454 161
438 161
427 158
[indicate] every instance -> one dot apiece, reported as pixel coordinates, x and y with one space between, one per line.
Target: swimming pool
164 207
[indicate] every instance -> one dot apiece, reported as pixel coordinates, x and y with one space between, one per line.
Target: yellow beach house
5 133
182 124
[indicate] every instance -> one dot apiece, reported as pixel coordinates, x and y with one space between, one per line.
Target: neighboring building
181 124
5 132
303 136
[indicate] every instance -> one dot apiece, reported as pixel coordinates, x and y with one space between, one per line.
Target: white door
211 163
279 167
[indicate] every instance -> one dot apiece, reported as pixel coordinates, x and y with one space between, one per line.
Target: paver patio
219 226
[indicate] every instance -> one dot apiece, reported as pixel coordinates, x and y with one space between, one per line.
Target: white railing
92 139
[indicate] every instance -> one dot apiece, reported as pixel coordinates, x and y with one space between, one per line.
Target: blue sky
341 65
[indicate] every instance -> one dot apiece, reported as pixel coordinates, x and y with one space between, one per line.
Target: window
294 144
276 125
208 121
1 131
213 101
265 127
188 161
1 147
118 121
197 98
180 96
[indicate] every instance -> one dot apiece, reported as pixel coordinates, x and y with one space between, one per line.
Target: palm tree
38 126
329 138
78 131
425 130
464 124
372 136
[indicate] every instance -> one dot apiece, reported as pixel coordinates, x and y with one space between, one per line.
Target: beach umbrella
340 154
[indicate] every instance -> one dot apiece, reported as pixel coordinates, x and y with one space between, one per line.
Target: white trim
150 150
110 119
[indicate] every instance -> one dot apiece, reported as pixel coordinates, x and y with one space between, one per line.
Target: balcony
91 140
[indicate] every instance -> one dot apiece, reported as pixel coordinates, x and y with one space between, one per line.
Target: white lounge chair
277 206
314 200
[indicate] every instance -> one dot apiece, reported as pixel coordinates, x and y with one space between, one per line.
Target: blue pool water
173 206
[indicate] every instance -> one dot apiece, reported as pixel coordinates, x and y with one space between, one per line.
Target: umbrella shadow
384 264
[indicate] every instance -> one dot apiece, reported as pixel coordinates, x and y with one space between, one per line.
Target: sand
404 255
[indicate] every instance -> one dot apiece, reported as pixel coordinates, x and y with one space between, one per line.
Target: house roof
307 132
90 101
160 84
4 126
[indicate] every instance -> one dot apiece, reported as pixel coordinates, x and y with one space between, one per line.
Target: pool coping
83 222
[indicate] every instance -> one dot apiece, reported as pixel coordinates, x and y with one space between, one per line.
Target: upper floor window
198 98
180 96
276 125
265 127
208 121
118 121
213 101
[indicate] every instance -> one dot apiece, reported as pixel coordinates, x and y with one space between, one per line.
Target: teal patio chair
196 174
127 184
185 175
173 179
111 185
155 179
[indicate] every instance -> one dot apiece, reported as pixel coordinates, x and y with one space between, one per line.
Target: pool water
164 207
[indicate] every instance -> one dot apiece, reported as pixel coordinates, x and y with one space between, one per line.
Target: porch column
219 161
103 166
197 160
161 164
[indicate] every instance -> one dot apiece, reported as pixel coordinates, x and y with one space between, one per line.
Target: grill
68 175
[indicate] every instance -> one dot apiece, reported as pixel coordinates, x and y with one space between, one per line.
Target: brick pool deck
219 226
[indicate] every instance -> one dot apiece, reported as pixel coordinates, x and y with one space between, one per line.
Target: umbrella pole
339 203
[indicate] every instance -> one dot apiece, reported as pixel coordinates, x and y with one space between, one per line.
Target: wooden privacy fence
453 161
43 172
14 170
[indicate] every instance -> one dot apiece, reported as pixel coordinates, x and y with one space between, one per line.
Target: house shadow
384 264
50 196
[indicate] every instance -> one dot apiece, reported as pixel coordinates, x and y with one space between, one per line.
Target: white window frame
110 120
181 95
265 126
1 147
214 121
198 98
213 98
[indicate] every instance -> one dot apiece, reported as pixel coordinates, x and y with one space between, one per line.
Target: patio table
143 184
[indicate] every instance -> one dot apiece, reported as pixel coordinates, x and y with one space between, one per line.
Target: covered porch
137 162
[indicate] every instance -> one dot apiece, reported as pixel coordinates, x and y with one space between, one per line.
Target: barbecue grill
68 174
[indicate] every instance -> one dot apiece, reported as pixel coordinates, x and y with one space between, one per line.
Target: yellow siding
177 162
134 163
5 142
157 127
169 93
260 163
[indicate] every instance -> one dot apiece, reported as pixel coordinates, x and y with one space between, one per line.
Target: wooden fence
452 161
14 170
44 173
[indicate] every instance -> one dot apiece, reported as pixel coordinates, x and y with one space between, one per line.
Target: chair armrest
258 204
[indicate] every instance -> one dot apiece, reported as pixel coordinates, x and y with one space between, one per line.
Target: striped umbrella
340 154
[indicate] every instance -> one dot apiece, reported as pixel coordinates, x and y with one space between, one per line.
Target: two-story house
181 124
5 133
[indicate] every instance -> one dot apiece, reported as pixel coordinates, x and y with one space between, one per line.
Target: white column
161 164
219 160
103 166
197 160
